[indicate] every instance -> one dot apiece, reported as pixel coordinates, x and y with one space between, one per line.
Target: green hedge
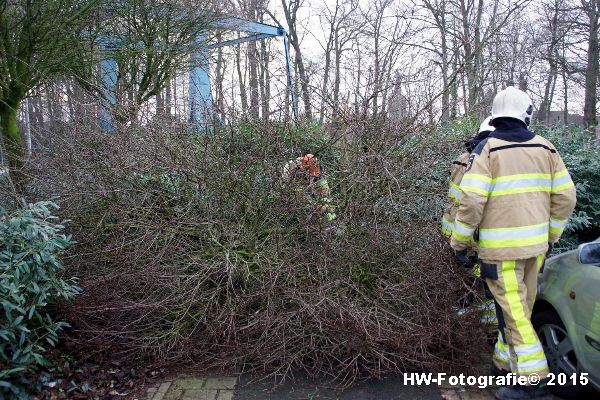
581 154
30 278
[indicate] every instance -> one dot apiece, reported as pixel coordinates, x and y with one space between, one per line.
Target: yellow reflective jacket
517 192
316 190
457 170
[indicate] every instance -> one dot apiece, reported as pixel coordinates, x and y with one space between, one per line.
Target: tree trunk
253 83
477 48
38 111
438 13
49 96
167 108
546 103
326 68
175 111
160 104
552 55
446 88
469 68
523 85
358 81
11 135
303 82
290 10
325 84
565 96
220 72
454 84
376 77
241 79
377 69
70 96
265 80
591 73
32 116
472 50
267 99
336 82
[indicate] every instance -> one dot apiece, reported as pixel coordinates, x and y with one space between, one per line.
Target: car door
586 313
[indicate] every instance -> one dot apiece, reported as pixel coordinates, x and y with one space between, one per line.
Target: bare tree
265 75
552 15
558 18
38 41
439 12
290 10
241 75
150 40
337 21
253 60
592 11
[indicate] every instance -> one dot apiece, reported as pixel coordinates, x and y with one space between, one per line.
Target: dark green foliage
580 151
30 278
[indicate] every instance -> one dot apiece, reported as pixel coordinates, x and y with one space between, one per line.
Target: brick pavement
194 388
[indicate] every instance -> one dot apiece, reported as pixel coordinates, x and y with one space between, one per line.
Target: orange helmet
310 164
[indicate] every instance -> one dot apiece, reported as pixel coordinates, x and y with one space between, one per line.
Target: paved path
234 388
194 388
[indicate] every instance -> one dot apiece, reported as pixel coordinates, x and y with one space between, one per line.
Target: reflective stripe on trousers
515 291
501 359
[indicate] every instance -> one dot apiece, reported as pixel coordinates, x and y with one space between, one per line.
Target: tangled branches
194 249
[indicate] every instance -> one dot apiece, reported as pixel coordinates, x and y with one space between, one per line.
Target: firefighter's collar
511 130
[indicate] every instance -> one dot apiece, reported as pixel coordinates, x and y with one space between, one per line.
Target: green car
566 317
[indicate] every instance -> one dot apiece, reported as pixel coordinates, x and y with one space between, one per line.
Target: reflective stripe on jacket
519 193
454 193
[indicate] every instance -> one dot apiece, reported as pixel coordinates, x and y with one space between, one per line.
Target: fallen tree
193 249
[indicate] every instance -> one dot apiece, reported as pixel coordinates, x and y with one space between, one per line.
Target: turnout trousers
513 284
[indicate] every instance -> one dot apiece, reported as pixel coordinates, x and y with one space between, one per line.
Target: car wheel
560 353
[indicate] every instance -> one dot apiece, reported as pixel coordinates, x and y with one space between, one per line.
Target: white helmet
485 126
514 103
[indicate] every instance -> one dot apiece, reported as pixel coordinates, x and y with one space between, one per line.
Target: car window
590 253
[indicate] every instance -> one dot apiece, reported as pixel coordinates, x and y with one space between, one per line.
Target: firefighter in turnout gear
457 171
307 171
469 257
518 194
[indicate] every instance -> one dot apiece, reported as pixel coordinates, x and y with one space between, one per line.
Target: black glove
464 259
